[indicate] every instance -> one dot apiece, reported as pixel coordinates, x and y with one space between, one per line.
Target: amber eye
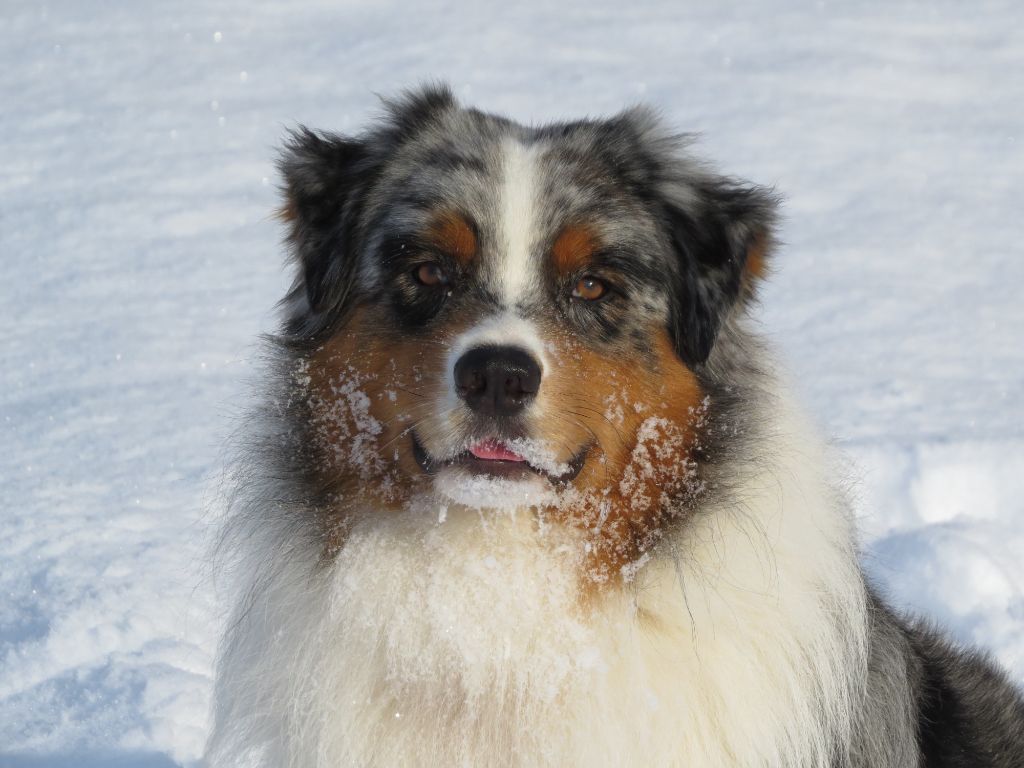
430 274
589 288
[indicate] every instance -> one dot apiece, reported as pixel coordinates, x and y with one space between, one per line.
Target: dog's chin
496 487
494 476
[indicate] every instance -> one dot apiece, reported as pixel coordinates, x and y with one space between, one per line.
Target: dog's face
498 316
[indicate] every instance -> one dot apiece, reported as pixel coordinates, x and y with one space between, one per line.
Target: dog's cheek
363 394
645 412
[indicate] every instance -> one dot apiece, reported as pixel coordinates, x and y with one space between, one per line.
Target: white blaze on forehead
517 210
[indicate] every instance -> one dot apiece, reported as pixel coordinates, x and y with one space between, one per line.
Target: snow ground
139 262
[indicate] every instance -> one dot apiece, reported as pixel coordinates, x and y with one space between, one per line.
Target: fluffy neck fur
740 640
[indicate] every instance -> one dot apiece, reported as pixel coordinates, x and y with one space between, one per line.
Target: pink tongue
494 451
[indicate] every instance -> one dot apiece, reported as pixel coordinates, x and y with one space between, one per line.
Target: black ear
327 179
324 175
720 231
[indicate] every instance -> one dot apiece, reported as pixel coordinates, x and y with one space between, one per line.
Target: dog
527 489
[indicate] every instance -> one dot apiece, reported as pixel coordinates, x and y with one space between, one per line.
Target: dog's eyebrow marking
573 248
518 196
453 234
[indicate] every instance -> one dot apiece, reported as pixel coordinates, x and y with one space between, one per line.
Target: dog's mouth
518 458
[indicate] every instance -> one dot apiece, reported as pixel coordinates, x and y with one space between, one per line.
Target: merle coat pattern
731 621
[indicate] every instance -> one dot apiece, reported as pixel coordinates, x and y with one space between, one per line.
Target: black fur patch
323 175
969 715
712 242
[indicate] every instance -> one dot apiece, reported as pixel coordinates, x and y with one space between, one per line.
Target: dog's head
494 315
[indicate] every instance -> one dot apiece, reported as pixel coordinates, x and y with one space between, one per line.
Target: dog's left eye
430 275
589 288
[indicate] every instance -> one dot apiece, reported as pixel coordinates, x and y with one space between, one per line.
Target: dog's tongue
494 451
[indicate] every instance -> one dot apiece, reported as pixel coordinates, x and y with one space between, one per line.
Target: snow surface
140 260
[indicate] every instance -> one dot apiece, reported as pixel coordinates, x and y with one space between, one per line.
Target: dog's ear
324 175
720 232
327 181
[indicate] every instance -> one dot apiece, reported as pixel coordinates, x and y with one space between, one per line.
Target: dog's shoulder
969 714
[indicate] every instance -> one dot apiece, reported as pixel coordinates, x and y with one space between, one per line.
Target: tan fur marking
363 393
288 212
573 249
641 470
364 390
452 234
756 267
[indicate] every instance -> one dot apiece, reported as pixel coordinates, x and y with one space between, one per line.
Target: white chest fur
462 641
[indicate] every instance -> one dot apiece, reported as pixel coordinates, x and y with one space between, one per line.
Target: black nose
497 381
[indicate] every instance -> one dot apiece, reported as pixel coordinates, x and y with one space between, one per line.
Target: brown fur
573 249
452 234
755 269
627 490
362 468
621 498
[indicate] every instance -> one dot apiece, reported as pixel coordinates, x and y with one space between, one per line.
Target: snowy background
139 260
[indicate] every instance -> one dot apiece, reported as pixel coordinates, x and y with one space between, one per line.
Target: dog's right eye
589 288
430 275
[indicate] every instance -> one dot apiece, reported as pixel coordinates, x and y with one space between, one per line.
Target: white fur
516 270
478 491
458 639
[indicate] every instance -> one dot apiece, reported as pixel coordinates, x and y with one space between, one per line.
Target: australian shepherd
527 489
